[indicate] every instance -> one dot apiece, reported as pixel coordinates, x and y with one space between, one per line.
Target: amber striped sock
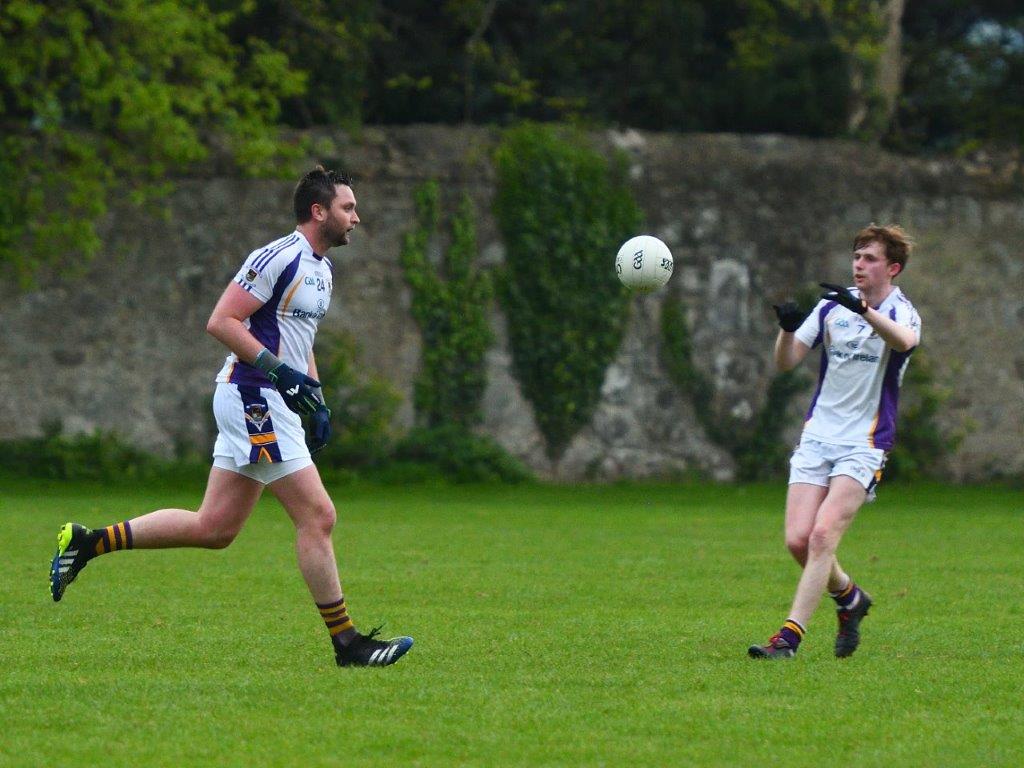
792 632
847 598
335 616
114 537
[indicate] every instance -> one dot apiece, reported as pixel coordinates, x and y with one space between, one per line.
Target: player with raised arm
867 333
267 317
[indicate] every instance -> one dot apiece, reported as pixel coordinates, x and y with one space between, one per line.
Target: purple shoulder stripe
267 254
821 323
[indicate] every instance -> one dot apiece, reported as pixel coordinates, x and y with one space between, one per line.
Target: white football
643 263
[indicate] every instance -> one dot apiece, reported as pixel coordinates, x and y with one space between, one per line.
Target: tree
492 61
329 40
111 97
964 81
861 35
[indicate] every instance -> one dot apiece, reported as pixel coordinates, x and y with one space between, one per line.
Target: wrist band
266 361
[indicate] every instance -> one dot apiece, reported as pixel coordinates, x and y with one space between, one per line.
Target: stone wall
749 220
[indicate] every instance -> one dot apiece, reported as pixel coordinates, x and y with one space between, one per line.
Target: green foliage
677 357
103 99
456 454
362 409
812 64
763 454
449 303
329 41
496 62
756 446
923 447
99 456
964 77
562 213
365 445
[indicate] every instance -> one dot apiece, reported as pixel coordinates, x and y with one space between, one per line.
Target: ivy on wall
923 447
363 408
449 303
563 210
757 446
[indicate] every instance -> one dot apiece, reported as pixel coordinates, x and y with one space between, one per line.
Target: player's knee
212 536
797 546
220 538
324 517
823 539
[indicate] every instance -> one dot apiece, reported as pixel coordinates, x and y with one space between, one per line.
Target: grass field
554 626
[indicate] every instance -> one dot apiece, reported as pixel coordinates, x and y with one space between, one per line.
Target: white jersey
294 285
860 375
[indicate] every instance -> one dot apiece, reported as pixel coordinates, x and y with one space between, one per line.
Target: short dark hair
317 186
894 239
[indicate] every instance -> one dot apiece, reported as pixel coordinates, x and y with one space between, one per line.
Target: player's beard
334 233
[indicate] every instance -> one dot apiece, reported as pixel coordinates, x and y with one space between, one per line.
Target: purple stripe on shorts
258 422
275 451
244 375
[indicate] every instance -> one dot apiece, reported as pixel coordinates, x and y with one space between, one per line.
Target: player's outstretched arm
897 336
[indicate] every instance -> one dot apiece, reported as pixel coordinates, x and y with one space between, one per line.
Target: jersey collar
309 247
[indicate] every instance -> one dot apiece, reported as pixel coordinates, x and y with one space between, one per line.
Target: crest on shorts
257 414
251 275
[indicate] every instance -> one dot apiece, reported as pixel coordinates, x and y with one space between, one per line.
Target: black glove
296 389
320 428
790 316
841 295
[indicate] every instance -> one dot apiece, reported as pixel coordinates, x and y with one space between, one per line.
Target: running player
267 317
867 333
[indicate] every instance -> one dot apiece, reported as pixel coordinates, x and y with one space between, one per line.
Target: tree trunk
866 115
890 73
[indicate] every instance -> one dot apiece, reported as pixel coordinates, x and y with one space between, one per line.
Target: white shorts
257 430
262 473
815 463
